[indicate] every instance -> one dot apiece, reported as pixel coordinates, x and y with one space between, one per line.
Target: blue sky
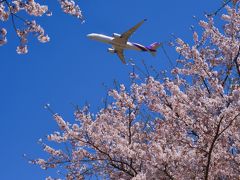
71 68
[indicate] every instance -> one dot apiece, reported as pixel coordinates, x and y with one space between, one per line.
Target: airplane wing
120 54
125 36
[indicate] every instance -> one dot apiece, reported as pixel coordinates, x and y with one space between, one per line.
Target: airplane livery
120 42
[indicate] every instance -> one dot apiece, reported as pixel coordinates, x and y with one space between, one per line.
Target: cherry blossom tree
185 126
10 10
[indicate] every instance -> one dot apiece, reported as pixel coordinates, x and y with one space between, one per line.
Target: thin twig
166 54
219 9
205 84
146 68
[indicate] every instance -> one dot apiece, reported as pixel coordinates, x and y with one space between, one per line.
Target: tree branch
167 173
117 161
129 127
211 149
205 84
236 63
229 124
219 9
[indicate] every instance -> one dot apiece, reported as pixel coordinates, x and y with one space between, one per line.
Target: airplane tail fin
153 48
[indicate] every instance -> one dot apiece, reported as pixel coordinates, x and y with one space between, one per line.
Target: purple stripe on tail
153 47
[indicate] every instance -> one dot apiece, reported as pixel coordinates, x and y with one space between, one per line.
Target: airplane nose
90 36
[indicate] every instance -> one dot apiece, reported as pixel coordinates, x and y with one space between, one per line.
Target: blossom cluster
71 8
3 33
160 129
10 10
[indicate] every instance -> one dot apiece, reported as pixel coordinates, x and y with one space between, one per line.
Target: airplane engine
111 50
116 35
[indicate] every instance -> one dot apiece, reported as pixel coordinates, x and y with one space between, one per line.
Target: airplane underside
130 46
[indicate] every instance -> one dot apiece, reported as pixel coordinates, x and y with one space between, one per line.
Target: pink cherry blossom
185 126
22 49
3 39
10 10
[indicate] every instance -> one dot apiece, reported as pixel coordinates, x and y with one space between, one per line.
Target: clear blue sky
71 69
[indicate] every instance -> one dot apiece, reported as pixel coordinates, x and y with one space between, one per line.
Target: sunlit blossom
185 126
12 9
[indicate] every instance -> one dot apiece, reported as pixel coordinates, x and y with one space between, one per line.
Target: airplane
120 42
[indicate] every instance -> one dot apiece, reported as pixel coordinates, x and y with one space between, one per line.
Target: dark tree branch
228 125
167 173
217 135
166 54
219 9
236 62
12 15
111 162
205 84
129 126
146 68
211 149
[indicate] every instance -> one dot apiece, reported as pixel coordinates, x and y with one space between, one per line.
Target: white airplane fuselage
115 44
120 42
